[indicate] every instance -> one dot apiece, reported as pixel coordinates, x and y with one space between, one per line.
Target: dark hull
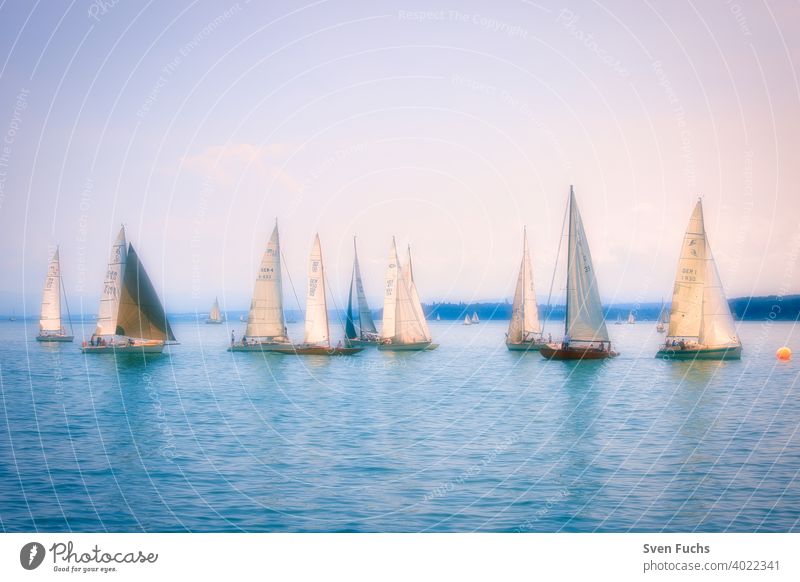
360 343
726 353
552 353
148 348
54 338
214 321
532 346
415 347
317 351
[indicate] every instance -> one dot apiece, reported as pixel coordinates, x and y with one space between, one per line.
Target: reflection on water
467 437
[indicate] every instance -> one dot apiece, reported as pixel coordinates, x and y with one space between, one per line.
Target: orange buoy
784 354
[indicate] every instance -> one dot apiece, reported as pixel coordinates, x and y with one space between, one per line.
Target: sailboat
524 330
359 328
215 316
404 325
631 318
266 328
585 333
619 320
438 317
662 319
467 320
131 317
700 321
475 317
51 328
317 340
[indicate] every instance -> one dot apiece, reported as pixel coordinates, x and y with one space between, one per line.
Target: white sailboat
619 320
467 320
51 328
317 339
475 318
585 333
131 317
360 328
524 329
438 317
404 325
266 327
700 322
215 316
662 319
631 318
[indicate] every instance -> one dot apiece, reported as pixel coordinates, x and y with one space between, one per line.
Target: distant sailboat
524 330
619 320
266 328
317 340
404 325
51 329
438 317
214 315
700 322
662 319
475 317
131 317
467 320
360 328
631 318
242 318
585 333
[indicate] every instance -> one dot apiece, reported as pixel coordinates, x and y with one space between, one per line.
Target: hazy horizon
198 125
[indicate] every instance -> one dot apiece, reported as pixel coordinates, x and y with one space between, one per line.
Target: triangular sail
359 318
50 316
411 326
717 326
390 291
524 310
686 313
475 317
316 306
266 317
584 321
421 320
215 314
141 314
112 287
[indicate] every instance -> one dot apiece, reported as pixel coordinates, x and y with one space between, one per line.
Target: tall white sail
50 316
266 308
699 307
112 287
389 323
584 320
410 325
524 310
317 331
421 320
215 314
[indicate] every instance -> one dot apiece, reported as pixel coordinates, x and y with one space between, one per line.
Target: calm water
469 437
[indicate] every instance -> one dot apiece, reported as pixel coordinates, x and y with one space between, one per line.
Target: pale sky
198 124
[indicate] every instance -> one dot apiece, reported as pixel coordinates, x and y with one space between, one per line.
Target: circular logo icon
31 555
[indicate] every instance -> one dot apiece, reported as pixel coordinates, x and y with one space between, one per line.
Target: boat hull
532 346
54 338
723 353
355 343
413 347
258 347
572 353
141 348
214 322
317 351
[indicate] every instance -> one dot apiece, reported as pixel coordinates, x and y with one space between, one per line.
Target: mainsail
390 292
524 310
50 316
266 308
403 319
112 287
363 323
317 331
215 314
584 318
699 307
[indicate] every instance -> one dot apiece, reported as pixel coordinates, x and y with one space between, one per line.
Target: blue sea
469 437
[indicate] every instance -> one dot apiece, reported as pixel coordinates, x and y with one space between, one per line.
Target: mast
569 258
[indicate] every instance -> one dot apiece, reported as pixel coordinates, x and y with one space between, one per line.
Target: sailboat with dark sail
404 325
700 322
585 333
51 328
131 317
524 330
359 328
